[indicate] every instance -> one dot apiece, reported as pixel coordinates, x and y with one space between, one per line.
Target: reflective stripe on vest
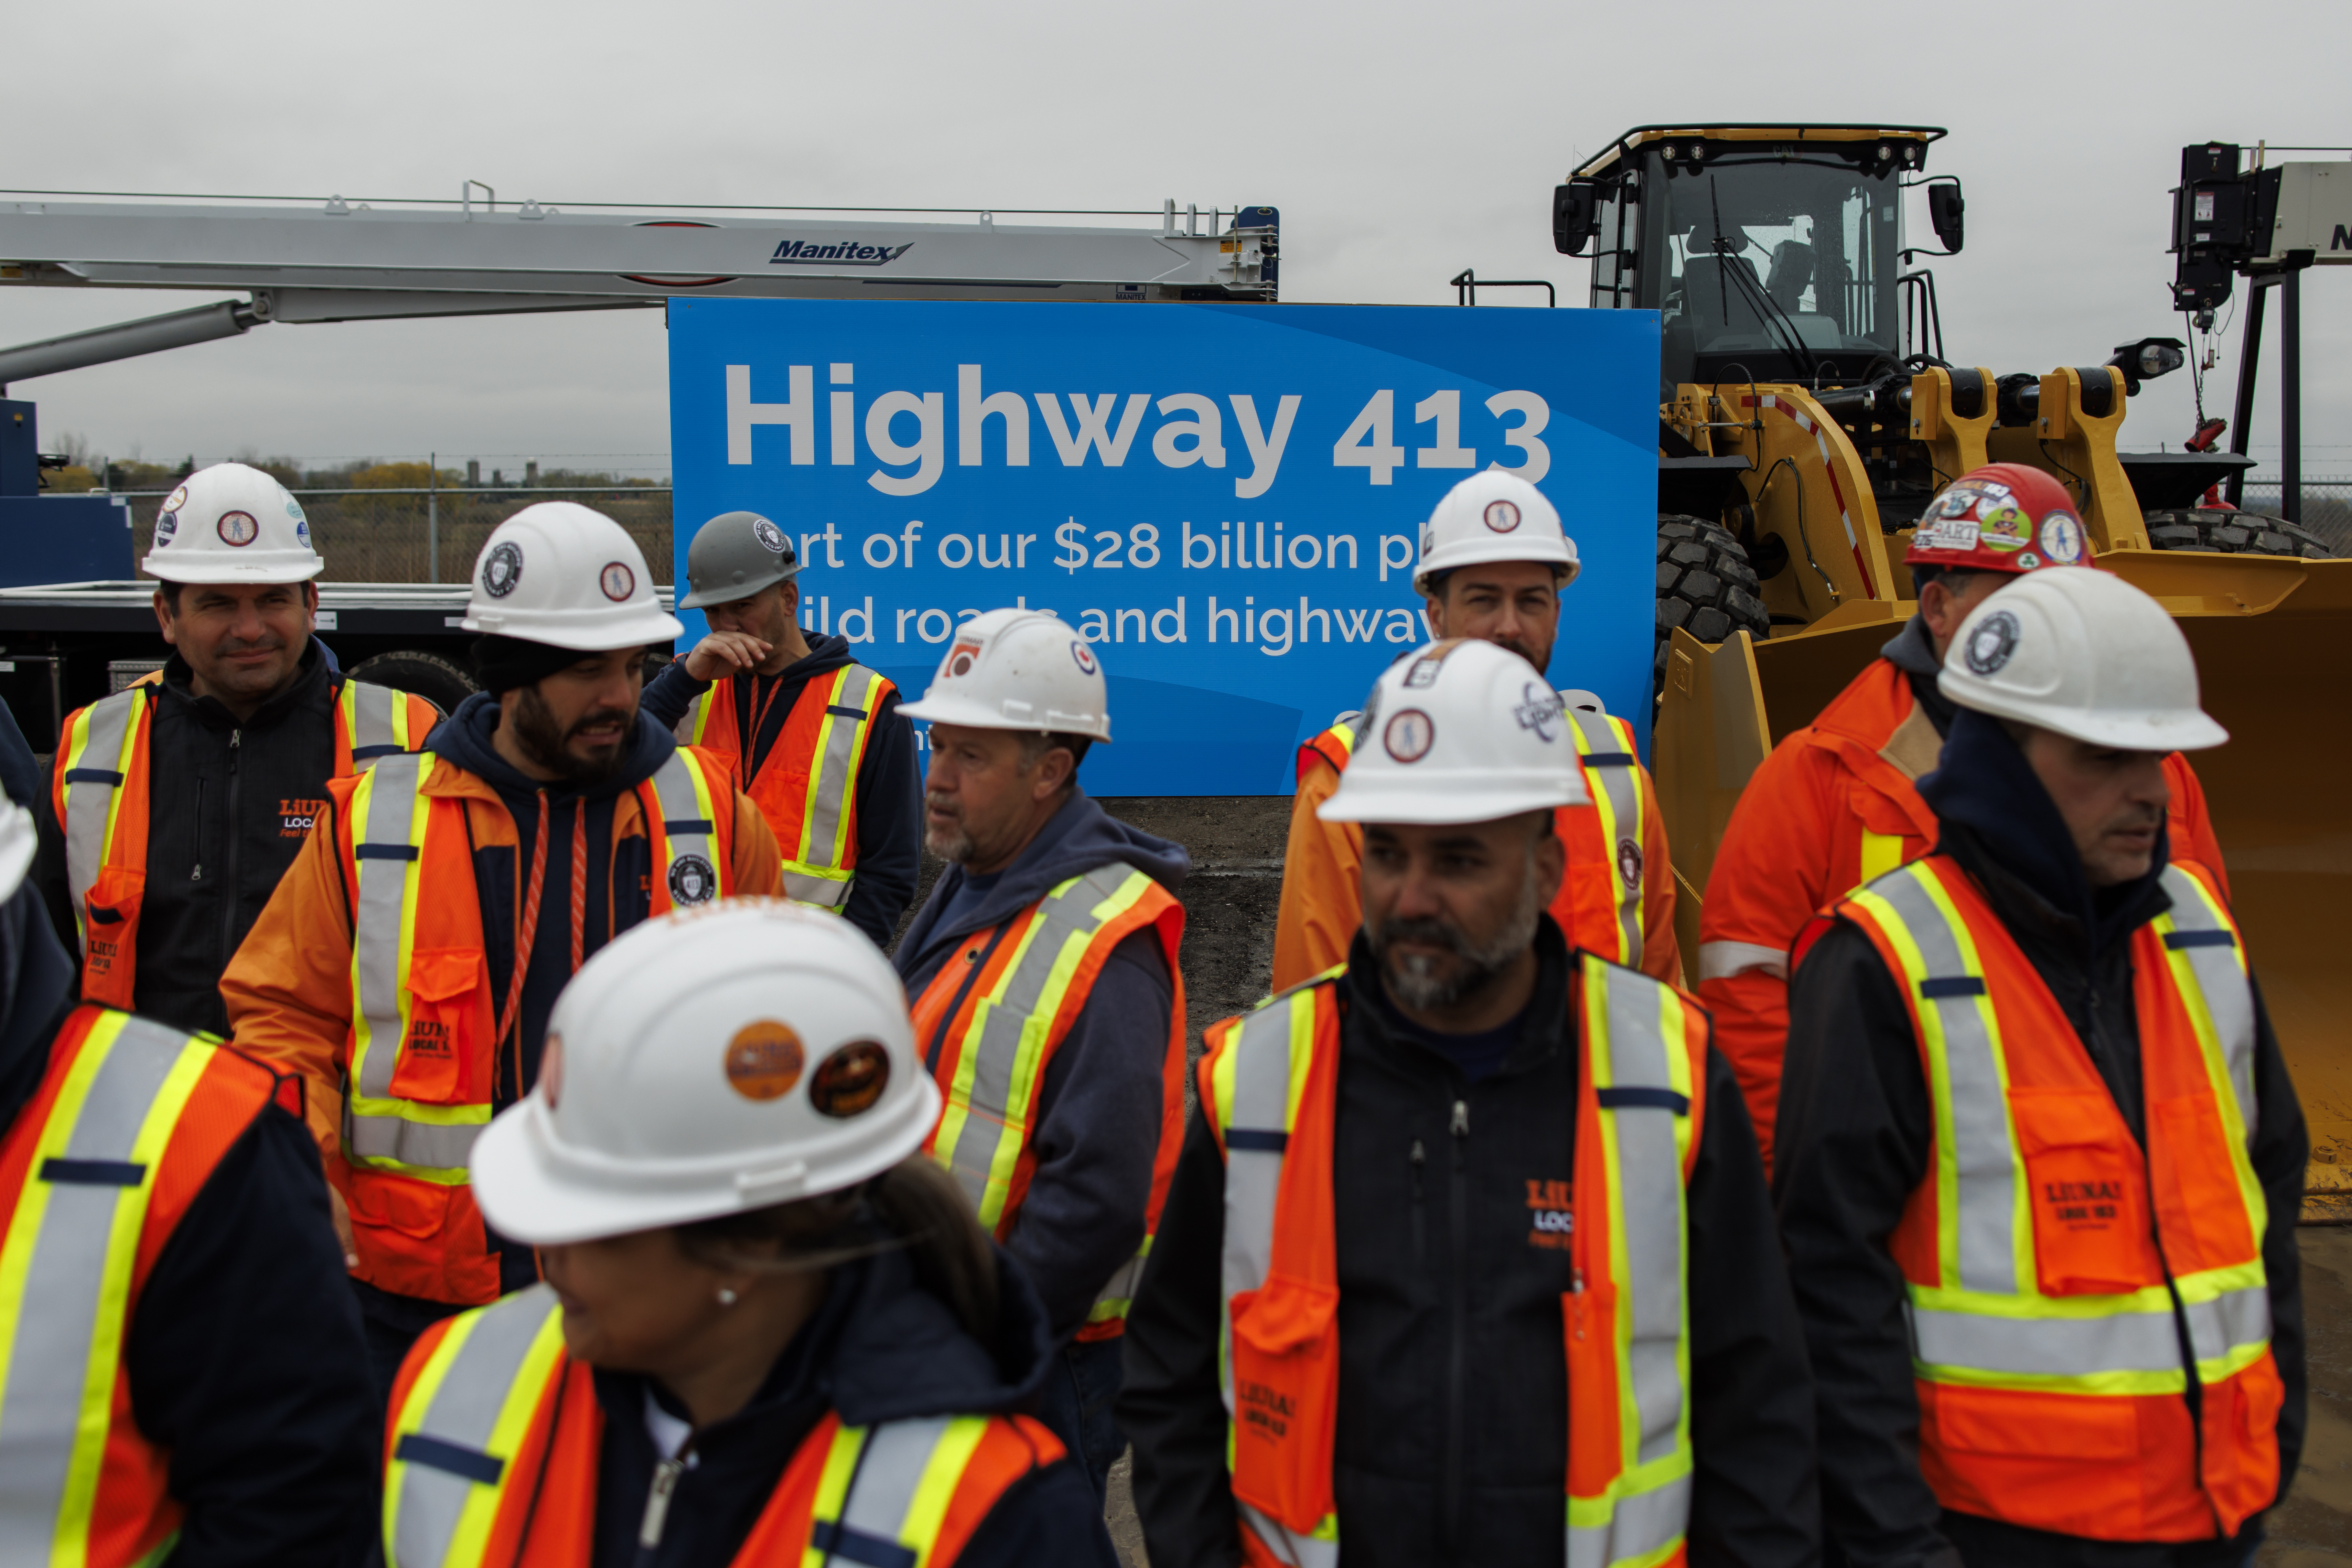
391 817
1270 1083
373 722
817 829
1880 853
69 1278
994 1070
1612 770
881 1495
1334 745
2069 1278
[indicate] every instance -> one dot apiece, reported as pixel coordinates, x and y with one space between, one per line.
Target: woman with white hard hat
770 1329
2039 1055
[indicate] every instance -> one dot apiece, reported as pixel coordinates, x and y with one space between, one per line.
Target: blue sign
1226 499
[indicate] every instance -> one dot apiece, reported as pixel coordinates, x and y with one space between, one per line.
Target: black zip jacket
1451 1445
1854 1139
889 786
880 1348
229 807
245 1358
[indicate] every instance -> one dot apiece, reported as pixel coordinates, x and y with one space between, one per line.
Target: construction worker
1493 564
406 967
179 801
2040 1160
181 1364
1835 804
1463 1226
770 1331
1047 1000
811 735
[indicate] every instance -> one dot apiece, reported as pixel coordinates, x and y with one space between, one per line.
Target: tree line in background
89 470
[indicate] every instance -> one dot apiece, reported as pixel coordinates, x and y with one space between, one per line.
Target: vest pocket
420 1238
110 929
2196 1193
1286 1369
443 987
2085 1190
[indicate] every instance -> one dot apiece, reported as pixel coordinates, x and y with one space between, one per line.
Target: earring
727 1297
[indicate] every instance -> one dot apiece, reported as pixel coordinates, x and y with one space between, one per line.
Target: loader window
1774 269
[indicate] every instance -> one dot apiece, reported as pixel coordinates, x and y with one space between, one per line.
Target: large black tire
427 675
1705 586
2216 531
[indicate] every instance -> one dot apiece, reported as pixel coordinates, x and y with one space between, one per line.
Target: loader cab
1770 253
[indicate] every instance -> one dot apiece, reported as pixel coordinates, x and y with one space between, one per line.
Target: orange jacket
1322 894
1833 806
290 1004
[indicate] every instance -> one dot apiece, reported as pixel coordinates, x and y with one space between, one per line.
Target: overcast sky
1401 142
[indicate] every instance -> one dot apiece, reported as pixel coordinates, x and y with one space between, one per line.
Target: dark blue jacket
880 1348
1098 1129
245 1358
889 787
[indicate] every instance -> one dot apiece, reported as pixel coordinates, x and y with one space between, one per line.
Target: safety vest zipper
1419 1159
657 1496
229 888
1457 1308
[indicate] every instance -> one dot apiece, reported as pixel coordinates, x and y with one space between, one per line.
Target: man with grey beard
1471 1222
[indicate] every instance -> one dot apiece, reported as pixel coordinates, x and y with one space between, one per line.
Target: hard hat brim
212 566
1480 553
533 1189
637 628
2145 729
948 708
704 599
1450 797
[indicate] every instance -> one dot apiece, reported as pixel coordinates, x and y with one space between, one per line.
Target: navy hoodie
1098 1128
880 1348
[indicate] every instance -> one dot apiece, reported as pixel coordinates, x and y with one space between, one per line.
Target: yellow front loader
1807 414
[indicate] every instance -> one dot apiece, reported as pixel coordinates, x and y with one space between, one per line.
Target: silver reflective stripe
1642 1523
1621 784
1065 912
63 1324
1253 1173
2066 1347
2229 1321
1287 1545
824 893
87 800
464 1415
1121 1287
2221 972
374 710
1722 960
890 1466
692 874
833 775
382 896
439 1146
1648 1179
1981 1147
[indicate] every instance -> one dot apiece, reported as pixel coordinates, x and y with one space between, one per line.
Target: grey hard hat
733 556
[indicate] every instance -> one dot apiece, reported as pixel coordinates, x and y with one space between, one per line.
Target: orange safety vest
128 1125
807 784
1269 1089
495 1449
100 792
422 1050
1598 904
2056 1268
990 1020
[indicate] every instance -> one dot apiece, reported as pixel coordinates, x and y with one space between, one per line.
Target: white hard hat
229 523
1461 732
2086 654
19 838
716 1060
1018 669
1493 516
562 575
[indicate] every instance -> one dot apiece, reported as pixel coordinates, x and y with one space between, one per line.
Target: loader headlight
2156 359
2147 359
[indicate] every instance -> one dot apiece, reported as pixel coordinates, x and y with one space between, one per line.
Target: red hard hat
2003 517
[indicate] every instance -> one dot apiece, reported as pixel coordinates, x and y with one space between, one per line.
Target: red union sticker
961 657
1502 516
238 527
1409 735
618 581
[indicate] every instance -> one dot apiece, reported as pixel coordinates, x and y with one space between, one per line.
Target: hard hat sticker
1540 711
176 499
961 657
166 527
850 1080
691 880
769 535
618 581
764 1060
502 569
1629 864
1409 735
1992 642
238 527
2062 539
2004 526
2028 561
1502 516
302 531
1084 656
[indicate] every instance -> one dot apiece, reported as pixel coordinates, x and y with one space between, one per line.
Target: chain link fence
434 535
2326 507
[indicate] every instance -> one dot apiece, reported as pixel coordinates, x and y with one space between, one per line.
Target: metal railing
432 533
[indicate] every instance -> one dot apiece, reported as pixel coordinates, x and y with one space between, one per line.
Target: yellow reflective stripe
701 711
921 1531
707 801
1220 1105
2099 1383
2214 1054
469 1541
363 1032
72 744
806 858
833 1485
1880 853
